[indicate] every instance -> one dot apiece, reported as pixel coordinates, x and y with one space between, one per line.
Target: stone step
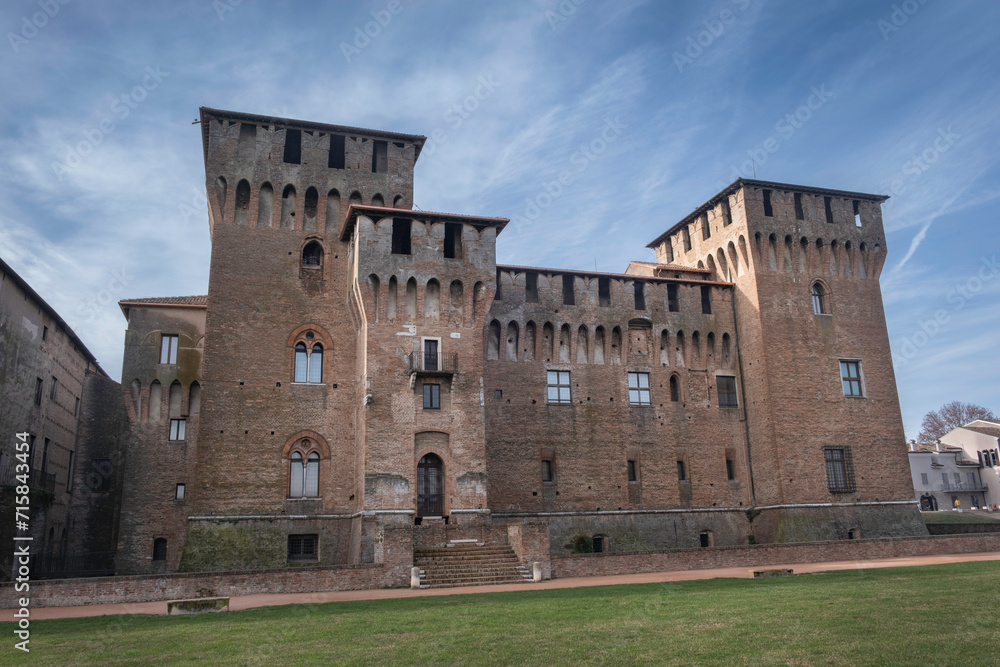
461 551
471 581
465 561
447 572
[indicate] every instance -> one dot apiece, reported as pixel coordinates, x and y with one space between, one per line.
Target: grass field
961 517
935 615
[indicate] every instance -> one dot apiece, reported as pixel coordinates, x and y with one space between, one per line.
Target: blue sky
102 179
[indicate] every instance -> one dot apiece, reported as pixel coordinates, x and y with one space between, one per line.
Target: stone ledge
197 606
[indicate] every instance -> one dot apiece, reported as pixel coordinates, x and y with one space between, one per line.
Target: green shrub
583 544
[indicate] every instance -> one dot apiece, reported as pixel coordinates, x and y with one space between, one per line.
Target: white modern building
980 442
944 477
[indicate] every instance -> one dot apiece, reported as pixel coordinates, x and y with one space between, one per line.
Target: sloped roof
197 301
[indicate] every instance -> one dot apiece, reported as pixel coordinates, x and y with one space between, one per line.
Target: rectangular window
38 391
706 299
857 213
431 356
673 305
432 396
730 470
972 479
303 548
850 375
548 473
337 158
179 492
768 210
380 157
632 475
669 247
168 348
686 234
799 213
828 207
681 472
558 387
839 469
453 240
100 475
923 479
293 147
401 236
569 295
958 480
726 388
706 229
638 389
640 295
531 287
604 291
944 480
177 428
54 391
727 213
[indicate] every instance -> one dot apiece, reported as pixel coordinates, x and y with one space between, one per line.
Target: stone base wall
605 564
962 528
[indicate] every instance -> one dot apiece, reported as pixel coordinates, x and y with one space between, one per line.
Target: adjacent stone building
357 363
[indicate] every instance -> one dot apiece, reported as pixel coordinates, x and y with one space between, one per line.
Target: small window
705 538
828 207
819 299
604 291
850 375
336 159
380 157
638 389
45 333
168 349
453 240
431 357
569 295
38 391
312 254
600 544
293 147
799 213
548 473
531 287
857 213
179 492
839 469
177 429
726 388
160 548
730 470
923 479
640 295
675 389
558 387
401 236
432 396
54 390
681 472
303 548
673 305
768 210
687 239
632 476
706 299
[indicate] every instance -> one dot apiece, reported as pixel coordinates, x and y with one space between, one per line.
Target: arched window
295 476
675 389
312 476
819 299
308 363
312 254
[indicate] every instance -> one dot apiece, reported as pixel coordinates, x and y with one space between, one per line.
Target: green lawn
909 616
966 516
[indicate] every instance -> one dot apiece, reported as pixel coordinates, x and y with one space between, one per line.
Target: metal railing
433 363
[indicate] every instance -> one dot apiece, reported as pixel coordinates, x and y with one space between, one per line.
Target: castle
358 363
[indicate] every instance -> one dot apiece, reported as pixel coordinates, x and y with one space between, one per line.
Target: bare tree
950 416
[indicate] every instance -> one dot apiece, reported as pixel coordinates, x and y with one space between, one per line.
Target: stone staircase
468 563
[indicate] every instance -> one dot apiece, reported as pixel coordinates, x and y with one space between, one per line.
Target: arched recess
710 265
599 345
848 260
723 265
243 203
220 194
391 298
675 388
863 261
376 287
456 300
512 342
288 199
311 206
194 399
312 253
175 399
529 341
265 206
430 485
316 443
772 259
803 255
743 252
734 260
155 400
355 198
786 258
665 348
411 300
548 339
758 252
581 345
710 349
397 201
432 299
493 344
332 213
478 293
564 344
680 359
616 346
378 200
834 257
726 351
696 361
136 387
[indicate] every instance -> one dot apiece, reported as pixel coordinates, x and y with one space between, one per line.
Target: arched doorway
430 486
